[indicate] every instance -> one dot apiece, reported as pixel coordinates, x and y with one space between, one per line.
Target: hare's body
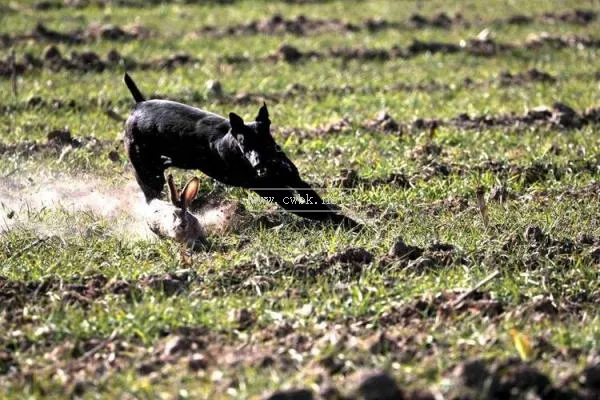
172 220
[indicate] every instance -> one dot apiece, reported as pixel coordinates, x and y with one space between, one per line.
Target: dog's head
259 147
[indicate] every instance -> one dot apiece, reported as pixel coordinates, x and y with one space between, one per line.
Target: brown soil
90 61
360 340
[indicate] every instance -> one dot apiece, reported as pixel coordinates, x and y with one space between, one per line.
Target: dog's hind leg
149 172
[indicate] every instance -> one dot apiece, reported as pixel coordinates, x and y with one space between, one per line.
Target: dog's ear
237 123
238 128
263 115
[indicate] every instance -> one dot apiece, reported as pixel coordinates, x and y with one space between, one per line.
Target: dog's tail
137 95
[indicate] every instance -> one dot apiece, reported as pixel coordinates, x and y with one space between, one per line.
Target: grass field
463 134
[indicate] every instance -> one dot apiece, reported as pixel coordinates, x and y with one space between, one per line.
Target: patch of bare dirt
413 258
260 274
545 39
57 140
511 378
278 24
501 194
557 115
44 5
383 121
478 46
531 75
577 16
89 61
537 171
92 33
16 294
302 25
345 368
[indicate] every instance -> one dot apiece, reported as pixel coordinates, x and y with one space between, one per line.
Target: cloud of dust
117 199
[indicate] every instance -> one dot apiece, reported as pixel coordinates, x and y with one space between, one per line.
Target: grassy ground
89 307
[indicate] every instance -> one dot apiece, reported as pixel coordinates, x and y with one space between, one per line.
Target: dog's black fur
161 134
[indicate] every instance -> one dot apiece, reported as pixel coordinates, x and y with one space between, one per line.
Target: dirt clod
563 115
472 373
114 156
520 378
245 319
375 385
384 122
60 136
149 367
352 256
175 345
591 377
197 362
292 394
531 75
51 53
534 233
402 250
214 88
289 53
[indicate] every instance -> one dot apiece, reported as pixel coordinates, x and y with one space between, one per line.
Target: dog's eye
277 147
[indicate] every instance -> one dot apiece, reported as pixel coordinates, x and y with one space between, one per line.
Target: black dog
161 134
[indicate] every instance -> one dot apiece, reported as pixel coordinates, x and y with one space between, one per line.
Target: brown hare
172 220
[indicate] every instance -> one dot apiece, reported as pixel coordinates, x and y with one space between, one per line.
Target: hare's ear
189 192
173 195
